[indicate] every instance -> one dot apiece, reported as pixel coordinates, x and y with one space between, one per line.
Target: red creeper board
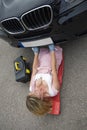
56 99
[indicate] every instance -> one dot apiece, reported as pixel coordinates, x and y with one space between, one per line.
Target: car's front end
26 23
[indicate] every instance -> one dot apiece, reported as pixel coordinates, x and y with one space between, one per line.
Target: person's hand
51 47
35 49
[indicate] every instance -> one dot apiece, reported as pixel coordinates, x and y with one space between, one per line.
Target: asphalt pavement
13 112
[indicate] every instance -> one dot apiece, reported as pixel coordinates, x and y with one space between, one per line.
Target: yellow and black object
22 70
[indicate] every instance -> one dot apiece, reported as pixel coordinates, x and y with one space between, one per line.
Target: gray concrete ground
13 112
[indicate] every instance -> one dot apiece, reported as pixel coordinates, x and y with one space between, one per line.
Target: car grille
13 26
38 18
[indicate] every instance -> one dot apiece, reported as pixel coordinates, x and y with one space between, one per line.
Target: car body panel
12 8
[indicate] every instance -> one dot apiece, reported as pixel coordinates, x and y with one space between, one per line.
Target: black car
26 23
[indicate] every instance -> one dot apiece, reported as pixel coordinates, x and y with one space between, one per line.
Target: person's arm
54 69
35 63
